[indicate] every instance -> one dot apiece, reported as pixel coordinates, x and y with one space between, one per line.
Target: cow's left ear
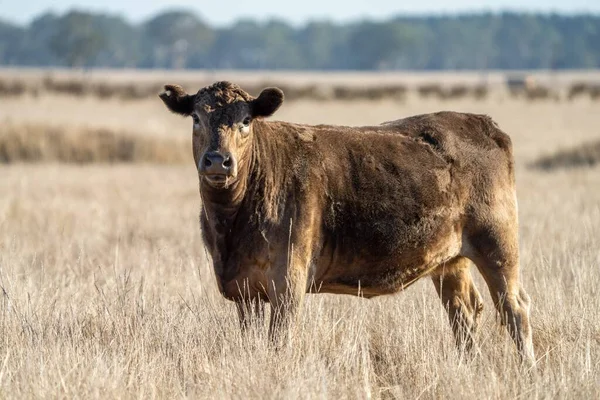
265 105
177 100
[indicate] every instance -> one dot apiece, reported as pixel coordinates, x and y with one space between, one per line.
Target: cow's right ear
177 100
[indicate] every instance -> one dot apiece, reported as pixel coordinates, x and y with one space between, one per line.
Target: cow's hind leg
461 298
494 250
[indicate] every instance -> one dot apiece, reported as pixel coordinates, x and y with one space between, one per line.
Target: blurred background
117 56
309 35
106 287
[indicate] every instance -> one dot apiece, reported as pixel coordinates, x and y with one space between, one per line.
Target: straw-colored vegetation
583 155
106 291
43 143
361 86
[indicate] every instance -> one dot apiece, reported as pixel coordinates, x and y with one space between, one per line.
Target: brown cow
290 208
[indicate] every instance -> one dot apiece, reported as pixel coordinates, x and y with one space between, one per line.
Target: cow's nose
216 163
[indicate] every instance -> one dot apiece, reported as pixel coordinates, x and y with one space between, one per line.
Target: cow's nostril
227 162
207 162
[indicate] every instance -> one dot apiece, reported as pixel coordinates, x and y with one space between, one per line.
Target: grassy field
107 292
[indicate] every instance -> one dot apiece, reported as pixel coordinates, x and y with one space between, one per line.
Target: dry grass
140 85
42 143
107 294
106 291
580 89
81 86
584 155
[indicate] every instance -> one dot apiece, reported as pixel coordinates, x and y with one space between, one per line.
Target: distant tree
116 51
75 41
280 46
37 50
176 39
241 45
10 43
381 45
322 45
250 45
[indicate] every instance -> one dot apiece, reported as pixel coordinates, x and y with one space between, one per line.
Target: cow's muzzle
217 168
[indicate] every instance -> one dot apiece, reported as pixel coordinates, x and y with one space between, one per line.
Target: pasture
107 293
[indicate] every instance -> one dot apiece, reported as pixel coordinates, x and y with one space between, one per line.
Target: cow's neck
221 206
219 212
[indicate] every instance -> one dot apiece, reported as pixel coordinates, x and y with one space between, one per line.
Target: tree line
181 39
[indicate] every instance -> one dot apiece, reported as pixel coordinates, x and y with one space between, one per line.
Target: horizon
294 14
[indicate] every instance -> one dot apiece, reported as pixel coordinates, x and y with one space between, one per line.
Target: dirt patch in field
38 143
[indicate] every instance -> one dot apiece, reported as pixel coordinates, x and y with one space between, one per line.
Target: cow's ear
177 100
267 102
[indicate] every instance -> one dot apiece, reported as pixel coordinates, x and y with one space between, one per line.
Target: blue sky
223 12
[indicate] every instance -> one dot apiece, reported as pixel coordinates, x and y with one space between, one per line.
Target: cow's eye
245 127
195 119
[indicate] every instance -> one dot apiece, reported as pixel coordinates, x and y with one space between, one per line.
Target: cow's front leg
288 277
244 286
286 296
250 312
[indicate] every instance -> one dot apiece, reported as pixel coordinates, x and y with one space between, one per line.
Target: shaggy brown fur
356 210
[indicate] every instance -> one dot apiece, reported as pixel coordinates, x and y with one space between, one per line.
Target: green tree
248 44
10 43
116 51
176 39
76 42
322 45
381 45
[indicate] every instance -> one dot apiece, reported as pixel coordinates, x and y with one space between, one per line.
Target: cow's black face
222 116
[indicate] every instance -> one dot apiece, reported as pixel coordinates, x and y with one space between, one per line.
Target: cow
290 209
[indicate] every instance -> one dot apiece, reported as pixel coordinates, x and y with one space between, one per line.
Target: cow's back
445 127
461 137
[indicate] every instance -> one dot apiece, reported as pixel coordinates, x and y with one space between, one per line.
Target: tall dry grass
106 291
47 143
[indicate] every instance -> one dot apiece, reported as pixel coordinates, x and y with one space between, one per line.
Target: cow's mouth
218 180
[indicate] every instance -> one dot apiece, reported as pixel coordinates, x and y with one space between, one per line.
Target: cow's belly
377 280
374 281
359 271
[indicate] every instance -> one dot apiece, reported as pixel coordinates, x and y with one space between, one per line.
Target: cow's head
223 116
